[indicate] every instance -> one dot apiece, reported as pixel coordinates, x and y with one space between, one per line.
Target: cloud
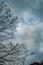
30 27
33 6
41 50
31 35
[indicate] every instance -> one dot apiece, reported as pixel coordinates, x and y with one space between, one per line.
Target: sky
30 26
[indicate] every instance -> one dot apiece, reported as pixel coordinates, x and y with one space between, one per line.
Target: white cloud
31 35
41 50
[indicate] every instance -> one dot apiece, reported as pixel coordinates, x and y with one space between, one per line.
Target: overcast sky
30 27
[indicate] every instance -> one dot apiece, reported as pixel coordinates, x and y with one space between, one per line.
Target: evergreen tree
9 54
8 22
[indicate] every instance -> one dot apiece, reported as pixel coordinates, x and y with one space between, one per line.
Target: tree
12 54
37 63
9 54
8 22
